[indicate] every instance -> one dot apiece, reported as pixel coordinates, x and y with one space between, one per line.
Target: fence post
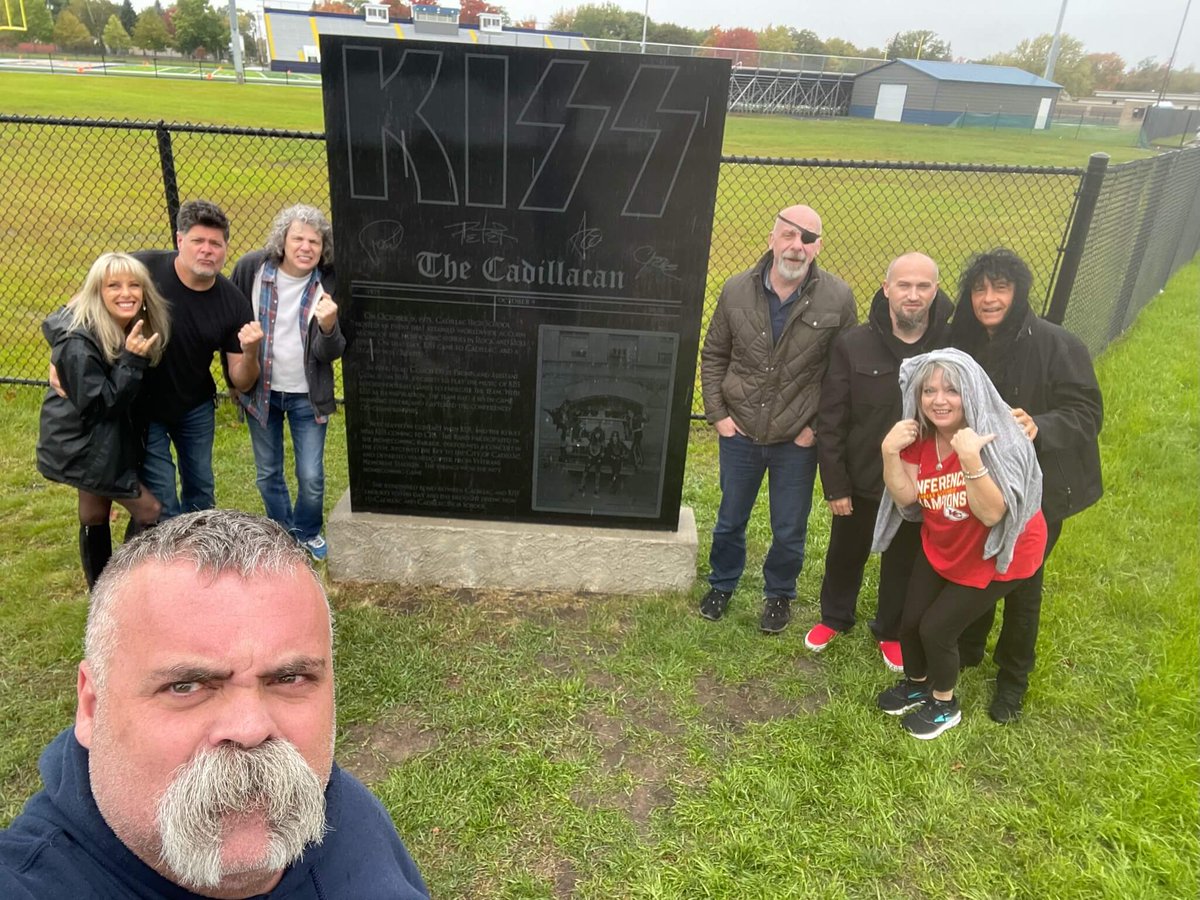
1081 224
166 157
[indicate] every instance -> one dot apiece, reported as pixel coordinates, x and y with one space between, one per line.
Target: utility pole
1052 59
235 42
1170 62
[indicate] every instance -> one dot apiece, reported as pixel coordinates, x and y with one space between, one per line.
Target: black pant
849 548
936 612
1016 647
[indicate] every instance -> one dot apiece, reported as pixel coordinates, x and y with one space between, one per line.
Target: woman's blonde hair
88 312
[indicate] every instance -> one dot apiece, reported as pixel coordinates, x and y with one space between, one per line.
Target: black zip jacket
860 397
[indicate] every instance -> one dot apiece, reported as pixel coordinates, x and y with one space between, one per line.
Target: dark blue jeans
308 446
192 437
790 471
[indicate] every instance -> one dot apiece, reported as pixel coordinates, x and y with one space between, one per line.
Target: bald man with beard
761 366
201 761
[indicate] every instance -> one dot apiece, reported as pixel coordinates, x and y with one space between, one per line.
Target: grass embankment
558 746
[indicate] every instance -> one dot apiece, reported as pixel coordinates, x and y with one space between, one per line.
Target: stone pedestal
524 556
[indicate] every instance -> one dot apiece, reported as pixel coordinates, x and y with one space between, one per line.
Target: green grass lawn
263 106
557 746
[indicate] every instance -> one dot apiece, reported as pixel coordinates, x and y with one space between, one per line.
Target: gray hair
952 377
216 541
306 215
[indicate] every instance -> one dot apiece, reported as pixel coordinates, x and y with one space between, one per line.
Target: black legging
936 612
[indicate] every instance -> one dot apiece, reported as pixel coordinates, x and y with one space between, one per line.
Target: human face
942 404
201 256
198 665
792 255
301 249
910 288
991 301
122 296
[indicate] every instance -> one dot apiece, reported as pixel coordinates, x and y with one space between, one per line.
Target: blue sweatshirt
61 847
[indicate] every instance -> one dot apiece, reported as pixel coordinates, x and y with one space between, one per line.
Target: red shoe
818 637
892 657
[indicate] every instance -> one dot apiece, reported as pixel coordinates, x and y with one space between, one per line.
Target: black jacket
860 397
320 349
1049 374
88 439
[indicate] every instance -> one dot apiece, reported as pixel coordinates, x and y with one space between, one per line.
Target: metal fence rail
75 188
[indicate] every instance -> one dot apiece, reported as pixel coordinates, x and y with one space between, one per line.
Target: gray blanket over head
1010 458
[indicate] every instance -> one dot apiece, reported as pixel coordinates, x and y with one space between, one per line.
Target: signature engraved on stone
653 264
585 239
379 237
483 232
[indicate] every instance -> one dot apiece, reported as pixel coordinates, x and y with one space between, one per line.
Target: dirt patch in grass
747 703
373 750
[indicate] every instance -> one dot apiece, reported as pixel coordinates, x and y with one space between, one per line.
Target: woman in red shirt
936 460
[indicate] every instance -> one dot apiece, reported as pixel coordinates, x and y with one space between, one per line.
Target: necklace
937 448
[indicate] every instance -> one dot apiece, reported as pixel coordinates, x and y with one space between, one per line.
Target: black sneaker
904 696
715 603
1005 708
777 612
932 718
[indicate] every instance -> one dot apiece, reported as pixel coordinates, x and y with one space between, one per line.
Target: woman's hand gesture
138 345
902 434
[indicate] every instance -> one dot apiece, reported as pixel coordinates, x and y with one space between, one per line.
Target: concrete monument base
524 556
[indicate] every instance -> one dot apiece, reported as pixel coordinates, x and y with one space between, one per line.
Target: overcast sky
1133 28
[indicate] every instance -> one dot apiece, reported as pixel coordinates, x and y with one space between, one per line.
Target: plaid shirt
258 401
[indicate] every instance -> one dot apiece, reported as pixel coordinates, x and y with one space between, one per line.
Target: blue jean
192 437
791 471
308 446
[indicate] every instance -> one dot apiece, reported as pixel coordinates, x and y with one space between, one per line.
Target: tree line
193 27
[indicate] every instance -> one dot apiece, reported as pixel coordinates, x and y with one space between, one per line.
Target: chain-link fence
77 188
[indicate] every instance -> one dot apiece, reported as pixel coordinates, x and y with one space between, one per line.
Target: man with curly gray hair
201 759
290 284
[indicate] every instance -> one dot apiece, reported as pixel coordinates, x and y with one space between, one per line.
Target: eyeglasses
806 236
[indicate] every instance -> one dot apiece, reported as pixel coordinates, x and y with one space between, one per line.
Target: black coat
1049 374
860 397
88 439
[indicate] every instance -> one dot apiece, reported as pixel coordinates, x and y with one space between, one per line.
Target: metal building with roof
932 92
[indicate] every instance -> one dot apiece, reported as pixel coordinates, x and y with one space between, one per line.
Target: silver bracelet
967 475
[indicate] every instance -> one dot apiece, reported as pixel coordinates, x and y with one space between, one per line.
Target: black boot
134 528
95 547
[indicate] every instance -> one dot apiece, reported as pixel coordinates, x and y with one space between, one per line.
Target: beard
271 779
791 270
915 322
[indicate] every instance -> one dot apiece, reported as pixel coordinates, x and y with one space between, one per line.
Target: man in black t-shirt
208 314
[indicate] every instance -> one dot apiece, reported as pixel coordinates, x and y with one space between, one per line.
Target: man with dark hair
201 759
1045 373
760 369
860 402
208 315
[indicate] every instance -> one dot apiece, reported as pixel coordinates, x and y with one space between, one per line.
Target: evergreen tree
128 17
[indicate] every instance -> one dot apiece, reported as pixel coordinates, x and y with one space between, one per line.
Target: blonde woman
101 343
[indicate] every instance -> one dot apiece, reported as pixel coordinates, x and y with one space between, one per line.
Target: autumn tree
470 9
1107 70
71 34
332 6
1072 70
776 39
922 44
150 32
115 37
604 20
398 10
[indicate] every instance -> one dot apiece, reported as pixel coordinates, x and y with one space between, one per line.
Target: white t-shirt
287 345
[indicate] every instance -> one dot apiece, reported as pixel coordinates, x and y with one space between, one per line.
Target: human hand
806 437
726 427
55 383
841 506
250 336
1025 420
138 345
326 312
902 434
967 444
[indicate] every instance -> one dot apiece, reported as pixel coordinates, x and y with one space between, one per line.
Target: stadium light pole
646 21
1170 62
1052 57
235 43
